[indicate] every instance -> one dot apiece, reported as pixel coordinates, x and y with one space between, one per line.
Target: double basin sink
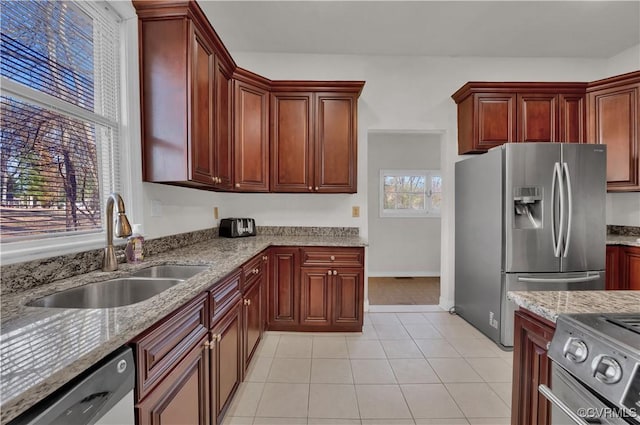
139 286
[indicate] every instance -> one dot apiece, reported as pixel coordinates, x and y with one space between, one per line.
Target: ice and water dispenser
527 207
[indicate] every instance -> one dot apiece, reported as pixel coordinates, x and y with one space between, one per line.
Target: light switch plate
355 211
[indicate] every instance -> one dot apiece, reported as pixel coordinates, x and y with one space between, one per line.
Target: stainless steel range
595 369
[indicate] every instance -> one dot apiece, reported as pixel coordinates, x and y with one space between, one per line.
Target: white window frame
428 212
48 246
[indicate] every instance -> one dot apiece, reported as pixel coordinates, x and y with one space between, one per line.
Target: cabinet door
201 145
291 142
223 152
252 323
630 267
348 303
531 367
537 117
571 123
315 296
613 121
336 130
495 116
283 287
613 268
227 358
251 138
183 396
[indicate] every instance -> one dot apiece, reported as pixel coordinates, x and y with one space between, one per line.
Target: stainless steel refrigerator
528 216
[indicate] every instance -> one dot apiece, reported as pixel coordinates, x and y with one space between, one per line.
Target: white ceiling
590 29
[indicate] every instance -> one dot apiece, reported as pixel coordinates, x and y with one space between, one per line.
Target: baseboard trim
405 274
404 308
446 303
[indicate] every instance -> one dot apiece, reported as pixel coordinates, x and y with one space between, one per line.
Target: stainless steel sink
170 271
107 294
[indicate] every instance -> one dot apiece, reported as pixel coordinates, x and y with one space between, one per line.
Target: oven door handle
549 395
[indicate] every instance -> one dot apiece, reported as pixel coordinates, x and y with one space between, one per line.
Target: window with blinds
59 107
410 193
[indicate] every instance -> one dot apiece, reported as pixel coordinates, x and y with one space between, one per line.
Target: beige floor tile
333 401
330 347
280 421
401 349
237 420
372 372
436 348
290 370
331 371
391 332
268 345
503 389
458 421
489 421
443 318
413 371
411 318
381 402
423 331
246 400
478 401
259 369
284 401
388 422
367 349
492 369
474 347
459 330
332 421
294 346
454 370
430 401
368 333
384 319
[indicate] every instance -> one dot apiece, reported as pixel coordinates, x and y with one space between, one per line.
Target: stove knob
606 369
575 350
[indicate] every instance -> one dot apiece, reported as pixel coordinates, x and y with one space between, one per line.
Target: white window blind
410 193
59 103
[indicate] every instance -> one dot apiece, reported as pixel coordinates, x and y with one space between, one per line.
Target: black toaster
237 227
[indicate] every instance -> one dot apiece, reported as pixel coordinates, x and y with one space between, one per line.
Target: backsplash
623 230
21 276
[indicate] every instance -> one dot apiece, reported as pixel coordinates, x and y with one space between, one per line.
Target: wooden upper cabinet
336 143
491 114
251 137
291 142
223 142
614 108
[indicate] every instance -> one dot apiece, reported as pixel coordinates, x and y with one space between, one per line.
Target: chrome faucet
123 229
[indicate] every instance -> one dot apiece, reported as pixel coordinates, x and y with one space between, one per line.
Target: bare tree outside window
410 193
50 159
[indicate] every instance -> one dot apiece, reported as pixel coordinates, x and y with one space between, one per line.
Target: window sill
21 251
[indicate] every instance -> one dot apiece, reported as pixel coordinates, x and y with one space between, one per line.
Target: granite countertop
623 240
43 348
550 304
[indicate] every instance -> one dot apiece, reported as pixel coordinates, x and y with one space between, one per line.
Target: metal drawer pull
335 272
329 272
332 258
549 395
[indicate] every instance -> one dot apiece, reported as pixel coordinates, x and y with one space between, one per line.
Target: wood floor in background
404 291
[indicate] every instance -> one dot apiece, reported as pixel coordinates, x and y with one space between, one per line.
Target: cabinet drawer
353 257
223 295
164 346
254 268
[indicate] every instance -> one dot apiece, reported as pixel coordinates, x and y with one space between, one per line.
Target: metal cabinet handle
248 302
316 188
329 272
335 272
265 258
237 184
333 257
310 187
218 337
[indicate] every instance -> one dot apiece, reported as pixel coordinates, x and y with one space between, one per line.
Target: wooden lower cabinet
252 320
315 296
623 267
183 396
531 368
348 297
612 268
283 287
226 360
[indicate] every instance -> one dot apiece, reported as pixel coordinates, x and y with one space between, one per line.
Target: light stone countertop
43 348
623 240
550 304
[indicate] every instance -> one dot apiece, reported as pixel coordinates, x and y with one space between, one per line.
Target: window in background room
410 193
59 117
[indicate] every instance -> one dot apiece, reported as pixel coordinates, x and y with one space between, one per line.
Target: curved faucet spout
123 229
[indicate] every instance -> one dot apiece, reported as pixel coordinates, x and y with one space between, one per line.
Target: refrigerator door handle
555 235
588 278
565 167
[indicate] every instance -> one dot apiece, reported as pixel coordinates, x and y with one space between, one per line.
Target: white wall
625 61
400 246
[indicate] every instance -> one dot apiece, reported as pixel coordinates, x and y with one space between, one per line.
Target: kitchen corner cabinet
251 136
623 267
491 114
314 137
531 368
614 120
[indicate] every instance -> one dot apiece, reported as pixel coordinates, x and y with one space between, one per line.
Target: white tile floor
403 369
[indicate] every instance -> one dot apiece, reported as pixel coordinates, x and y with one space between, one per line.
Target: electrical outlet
355 211
215 213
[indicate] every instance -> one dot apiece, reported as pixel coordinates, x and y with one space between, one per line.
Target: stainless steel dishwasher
103 396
